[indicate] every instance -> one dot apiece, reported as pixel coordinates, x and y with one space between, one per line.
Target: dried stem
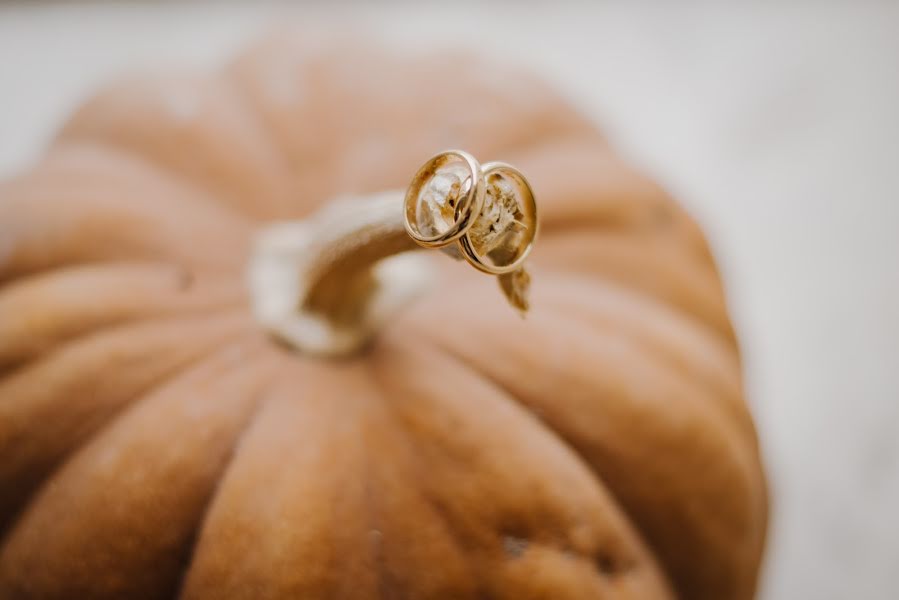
326 284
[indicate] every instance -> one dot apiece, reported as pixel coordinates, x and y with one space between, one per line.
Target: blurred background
776 125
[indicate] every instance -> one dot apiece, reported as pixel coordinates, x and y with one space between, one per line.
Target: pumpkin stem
325 285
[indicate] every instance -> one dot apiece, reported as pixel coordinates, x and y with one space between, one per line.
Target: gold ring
488 210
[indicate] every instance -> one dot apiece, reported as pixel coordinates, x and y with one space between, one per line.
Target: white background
777 126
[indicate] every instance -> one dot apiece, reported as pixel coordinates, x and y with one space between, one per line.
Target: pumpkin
158 442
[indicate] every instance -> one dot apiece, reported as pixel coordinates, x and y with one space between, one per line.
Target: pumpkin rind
157 444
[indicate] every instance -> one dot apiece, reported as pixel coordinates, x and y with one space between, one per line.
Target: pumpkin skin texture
157 443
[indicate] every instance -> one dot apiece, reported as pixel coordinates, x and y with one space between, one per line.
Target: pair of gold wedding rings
488 210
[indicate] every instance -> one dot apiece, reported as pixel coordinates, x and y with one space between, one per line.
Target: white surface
778 127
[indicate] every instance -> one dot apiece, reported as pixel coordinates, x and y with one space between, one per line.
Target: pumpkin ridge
108 438
11 511
589 179
414 463
304 416
554 545
254 116
263 398
385 581
513 399
550 539
183 299
732 409
713 388
199 194
387 585
603 228
506 396
689 288
636 515
197 134
604 193
716 531
64 344
91 227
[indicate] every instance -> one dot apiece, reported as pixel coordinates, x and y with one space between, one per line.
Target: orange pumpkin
157 442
